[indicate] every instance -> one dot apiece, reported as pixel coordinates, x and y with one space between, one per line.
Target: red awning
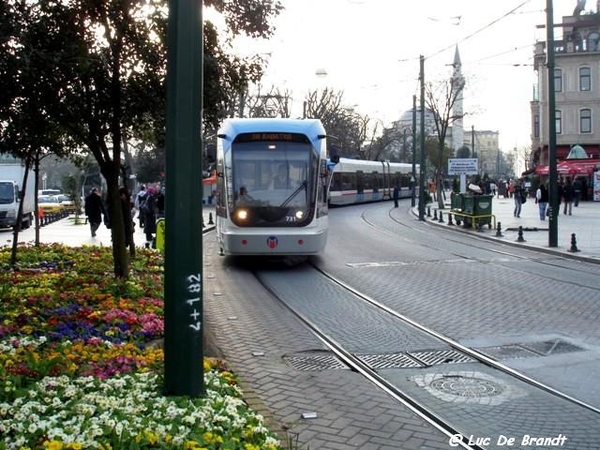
567 167
580 167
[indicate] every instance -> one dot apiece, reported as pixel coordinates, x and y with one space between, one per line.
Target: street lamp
552 172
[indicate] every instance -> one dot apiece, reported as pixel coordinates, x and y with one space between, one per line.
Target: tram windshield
272 174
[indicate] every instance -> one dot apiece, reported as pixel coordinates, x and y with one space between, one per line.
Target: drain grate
315 362
551 347
389 361
434 357
508 352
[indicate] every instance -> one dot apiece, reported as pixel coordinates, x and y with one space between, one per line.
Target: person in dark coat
396 195
149 212
94 210
541 197
160 204
568 193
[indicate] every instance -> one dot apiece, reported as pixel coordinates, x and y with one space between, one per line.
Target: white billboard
466 166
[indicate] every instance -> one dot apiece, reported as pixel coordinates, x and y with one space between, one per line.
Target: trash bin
477 205
469 203
456 201
482 205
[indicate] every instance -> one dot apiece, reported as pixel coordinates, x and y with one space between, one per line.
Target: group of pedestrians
569 194
149 203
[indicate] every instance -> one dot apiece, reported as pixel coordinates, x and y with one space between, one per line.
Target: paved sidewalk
67 231
584 223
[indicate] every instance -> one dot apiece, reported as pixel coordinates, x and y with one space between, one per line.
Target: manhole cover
509 351
552 347
467 386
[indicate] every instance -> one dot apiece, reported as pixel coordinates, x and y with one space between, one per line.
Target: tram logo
272 242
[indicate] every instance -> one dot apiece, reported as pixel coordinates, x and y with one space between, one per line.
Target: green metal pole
552 171
422 126
183 207
414 151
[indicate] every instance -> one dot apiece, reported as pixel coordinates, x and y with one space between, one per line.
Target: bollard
499 230
573 244
520 239
450 219
210 219
435 214
441 218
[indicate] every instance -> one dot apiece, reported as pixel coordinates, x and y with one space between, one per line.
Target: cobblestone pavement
255 335
583 223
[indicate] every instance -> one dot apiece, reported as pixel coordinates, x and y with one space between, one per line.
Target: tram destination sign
459 166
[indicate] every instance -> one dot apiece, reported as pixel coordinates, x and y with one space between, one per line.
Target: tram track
504 253
353 360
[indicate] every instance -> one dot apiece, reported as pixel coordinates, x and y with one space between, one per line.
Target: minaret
457 109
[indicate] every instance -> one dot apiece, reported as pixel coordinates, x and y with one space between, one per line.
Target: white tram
272 181
360 181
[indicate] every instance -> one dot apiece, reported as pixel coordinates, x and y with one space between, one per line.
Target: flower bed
80 368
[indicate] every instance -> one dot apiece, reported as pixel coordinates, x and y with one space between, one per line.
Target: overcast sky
370 50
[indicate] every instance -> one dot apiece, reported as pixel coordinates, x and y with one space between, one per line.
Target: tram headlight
299 214
242 214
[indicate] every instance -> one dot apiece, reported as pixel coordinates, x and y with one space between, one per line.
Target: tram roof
310 127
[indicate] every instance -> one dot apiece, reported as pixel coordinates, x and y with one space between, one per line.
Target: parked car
49 204
66 203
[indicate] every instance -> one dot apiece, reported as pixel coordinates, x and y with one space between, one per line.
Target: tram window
336 182
348 181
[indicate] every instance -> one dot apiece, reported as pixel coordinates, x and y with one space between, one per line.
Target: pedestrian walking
94 210
541 198
148 212
138 203
160 203
567 194
396 195
577 191
519 197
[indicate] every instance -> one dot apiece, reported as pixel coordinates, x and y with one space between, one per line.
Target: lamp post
552 172
422 127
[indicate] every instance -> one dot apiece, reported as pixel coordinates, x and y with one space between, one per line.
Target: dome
577 152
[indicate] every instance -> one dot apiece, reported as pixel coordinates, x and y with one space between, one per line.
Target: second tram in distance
272 182
359 181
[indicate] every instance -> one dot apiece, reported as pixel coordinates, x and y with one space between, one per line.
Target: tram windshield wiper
293 194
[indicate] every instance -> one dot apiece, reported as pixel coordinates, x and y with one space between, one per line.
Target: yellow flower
53 445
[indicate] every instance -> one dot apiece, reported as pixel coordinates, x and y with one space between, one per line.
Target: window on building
585 120
558 80
536 126
585 79
558 122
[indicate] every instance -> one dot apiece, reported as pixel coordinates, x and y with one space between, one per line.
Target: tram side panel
359 181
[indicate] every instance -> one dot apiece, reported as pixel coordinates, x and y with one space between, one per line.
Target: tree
463 152
347 128
441 100
273 103
28 130
104 63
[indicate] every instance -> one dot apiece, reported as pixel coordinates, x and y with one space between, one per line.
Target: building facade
576 84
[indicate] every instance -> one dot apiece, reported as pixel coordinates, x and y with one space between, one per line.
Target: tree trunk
117 224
